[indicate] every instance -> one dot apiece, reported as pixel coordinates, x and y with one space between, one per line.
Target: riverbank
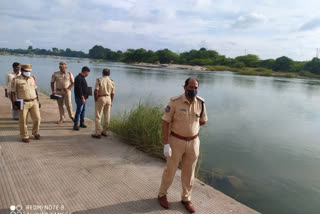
241 71
172 66
84 175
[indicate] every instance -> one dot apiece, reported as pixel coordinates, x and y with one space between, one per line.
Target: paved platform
70 172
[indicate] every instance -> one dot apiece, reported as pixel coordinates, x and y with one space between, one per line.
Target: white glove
167 150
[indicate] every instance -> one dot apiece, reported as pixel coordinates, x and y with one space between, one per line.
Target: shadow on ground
139 206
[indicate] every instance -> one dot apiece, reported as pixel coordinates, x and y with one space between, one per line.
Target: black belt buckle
188 138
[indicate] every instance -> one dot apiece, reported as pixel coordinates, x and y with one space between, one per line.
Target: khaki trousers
65 99
33 109
102 105
187 152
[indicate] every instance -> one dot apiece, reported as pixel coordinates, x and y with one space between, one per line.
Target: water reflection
244 81
312 88
280 84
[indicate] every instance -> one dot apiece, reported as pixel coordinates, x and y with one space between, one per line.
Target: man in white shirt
8 80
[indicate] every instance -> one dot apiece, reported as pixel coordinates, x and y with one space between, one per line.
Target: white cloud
202 4
249 20
121 4
266 28
117 26
28 42
310 25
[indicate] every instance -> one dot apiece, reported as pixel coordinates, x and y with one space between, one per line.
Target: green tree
249 60
97 52
166 56
68 52
268 63
237 64
55 50
284 64
313 66
200 57
130 56
221 60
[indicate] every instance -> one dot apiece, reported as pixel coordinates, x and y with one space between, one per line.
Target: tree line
193 57
51 52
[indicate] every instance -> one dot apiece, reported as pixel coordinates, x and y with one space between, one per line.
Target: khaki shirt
105 86
184 116
9 77
24 87
63 80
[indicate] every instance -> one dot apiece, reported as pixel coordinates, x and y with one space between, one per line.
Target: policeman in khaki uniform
185 113
64 82
24 87
103 96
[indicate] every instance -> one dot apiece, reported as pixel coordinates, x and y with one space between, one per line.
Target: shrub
141 127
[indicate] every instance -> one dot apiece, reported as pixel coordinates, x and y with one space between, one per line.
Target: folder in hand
18 103
55 96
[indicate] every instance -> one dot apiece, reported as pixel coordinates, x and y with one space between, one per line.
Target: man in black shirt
81 95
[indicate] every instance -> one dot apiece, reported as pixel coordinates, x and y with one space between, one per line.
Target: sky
267 28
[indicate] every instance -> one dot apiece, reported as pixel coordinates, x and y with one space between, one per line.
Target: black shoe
83 126
76 128
96 136
103 134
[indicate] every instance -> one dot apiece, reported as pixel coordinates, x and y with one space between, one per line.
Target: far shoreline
241 71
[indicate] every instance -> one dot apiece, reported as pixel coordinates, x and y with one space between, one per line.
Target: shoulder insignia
200 98
168 109
176 97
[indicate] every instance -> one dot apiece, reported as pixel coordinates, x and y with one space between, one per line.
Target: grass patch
222 68
308 74
141 127
256 71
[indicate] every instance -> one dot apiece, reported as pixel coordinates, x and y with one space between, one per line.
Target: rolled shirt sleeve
169 112
204 117
112 90
71 77
7 82
97 85
13 85
53 78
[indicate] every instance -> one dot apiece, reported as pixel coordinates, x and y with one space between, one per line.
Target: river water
263 132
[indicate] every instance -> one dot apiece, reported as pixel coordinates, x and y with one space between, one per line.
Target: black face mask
192 93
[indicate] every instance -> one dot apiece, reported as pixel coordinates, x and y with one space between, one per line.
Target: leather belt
103 95
184 138
29 100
